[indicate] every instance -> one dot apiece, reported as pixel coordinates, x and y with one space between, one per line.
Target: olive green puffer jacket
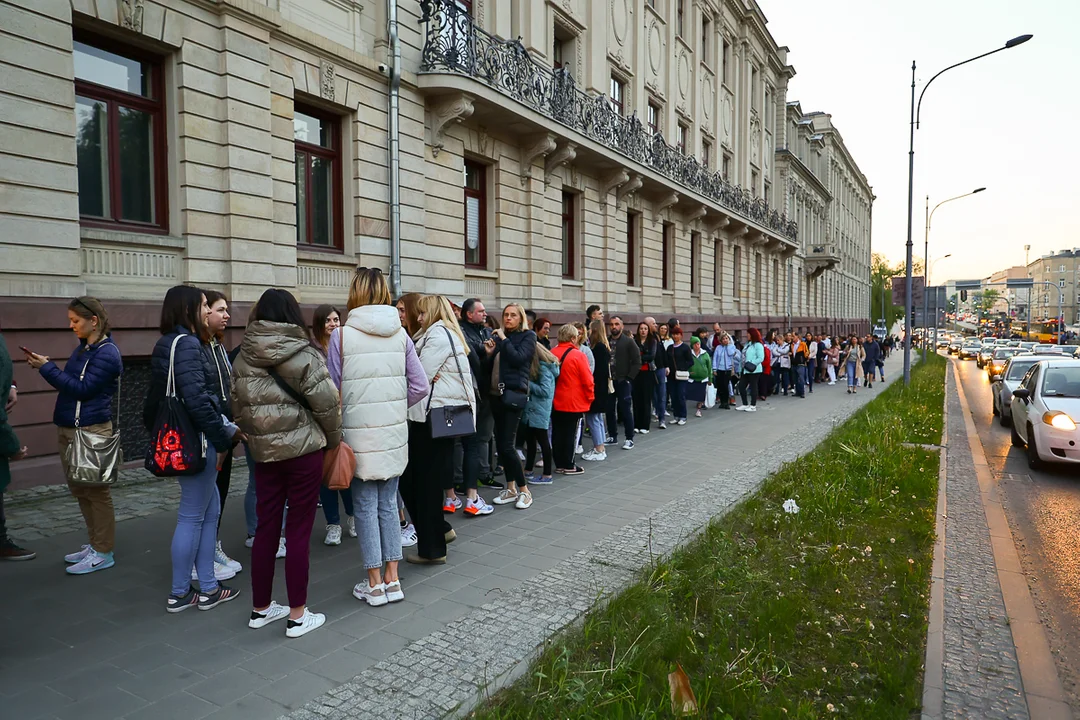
278 427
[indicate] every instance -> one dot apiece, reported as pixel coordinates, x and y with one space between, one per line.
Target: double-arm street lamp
915 111
926 261
926 286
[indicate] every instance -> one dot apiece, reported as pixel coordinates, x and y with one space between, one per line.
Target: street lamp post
926 287
915 110
926 255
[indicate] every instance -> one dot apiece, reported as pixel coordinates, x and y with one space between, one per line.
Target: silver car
1002 386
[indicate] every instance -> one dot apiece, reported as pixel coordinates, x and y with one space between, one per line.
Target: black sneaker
10 551
499 471
576 470
222 595
459 489
490 482
611 440
177 604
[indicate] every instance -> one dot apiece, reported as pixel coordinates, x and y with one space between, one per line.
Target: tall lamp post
915 111
926 258
926 287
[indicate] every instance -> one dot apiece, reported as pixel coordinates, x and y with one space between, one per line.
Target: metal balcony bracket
539 146
454 108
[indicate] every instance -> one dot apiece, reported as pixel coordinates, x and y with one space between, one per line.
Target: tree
881 274
988 299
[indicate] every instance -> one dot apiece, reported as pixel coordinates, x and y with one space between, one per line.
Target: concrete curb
933 702
1042 689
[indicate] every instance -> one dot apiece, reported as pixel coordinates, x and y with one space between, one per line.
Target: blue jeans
811 372
800 380
624 400
660 394
597 428
377 526
195 537
851 380
250 516
678 398
328 498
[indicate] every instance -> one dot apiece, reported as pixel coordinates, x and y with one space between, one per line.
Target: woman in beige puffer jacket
285 402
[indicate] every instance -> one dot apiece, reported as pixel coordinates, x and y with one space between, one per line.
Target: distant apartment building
1011 301
1055 279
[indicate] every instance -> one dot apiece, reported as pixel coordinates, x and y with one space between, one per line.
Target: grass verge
820 613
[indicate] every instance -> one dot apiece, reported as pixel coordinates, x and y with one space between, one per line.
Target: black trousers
564 427
507 421
722 379
611 416
749 381
3 520
430 463
223 477
538 437
642 398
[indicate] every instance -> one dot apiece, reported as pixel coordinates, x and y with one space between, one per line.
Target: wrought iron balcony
453 44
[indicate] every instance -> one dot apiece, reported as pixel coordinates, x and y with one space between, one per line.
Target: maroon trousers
296 481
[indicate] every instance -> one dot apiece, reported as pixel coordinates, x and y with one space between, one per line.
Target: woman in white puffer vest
373 361
444 354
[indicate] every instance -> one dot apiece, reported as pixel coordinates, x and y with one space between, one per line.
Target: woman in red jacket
573 397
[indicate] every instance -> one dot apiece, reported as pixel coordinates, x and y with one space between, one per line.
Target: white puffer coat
374 391
437 348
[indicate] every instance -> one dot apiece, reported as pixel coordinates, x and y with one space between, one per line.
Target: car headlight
1059 420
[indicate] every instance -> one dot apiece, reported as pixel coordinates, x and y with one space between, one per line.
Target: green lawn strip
771 614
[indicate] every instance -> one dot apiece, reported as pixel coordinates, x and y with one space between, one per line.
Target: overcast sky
1010 122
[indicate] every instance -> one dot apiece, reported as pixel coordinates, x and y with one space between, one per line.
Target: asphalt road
1043 508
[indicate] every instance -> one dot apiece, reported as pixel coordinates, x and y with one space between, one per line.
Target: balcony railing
454 44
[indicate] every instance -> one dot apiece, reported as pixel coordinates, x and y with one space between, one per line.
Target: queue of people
429 403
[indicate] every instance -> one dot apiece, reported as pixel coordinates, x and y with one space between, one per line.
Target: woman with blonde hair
515 346
444 354
373 361
537 416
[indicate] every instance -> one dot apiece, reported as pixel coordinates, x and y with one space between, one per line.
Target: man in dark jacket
626 363
476 451
10 449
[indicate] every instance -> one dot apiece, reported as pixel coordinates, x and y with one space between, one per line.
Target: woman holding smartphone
86 387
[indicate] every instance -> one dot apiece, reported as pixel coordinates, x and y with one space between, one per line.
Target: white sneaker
593 456
310 621
751 408
333 535
77 556
408 536
271 614
643 432
506 497
521 455
249 541
579 450
524 500
352 526
451 505
221 572
628 445
477 507
741 408
280 549
681 421
222 558
393 591
375 596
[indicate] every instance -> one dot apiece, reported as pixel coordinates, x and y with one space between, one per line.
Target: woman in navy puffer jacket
89 378
184 315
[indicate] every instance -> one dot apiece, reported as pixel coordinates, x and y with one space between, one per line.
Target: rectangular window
754 183
725 168
1061 269
757 277
617 94
653 117
726 70
680 138
695 249
569 246
776 281
667 242
475 184
718 267
1061 282
318 178
736 272
557 54
679 17
631 249
753 88
562 49
119 137
706 153
706 30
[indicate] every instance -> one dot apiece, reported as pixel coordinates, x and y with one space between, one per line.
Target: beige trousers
95 502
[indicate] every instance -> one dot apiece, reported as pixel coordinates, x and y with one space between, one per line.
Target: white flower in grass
791 507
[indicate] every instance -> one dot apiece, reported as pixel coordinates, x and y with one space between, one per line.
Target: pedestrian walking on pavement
603 386
800 358
537 415
221 380
853 356
10 449
681 359
443 354
573 396
515 347
325 321
84 395
752 369
645 381
288 407
700 374
179 360
832 360
373 361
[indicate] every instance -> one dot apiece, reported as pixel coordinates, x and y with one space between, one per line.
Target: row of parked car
1035 390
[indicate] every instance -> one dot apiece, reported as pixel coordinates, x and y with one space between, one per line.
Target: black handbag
176 447
749 367
451 421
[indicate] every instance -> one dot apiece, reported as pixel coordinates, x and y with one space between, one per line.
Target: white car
1003 384
1044 411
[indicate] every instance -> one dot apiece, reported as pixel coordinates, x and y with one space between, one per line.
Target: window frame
335 155
618 104
706 153
680 18
652 117
568 228
736 272
667 243
706 28
154 106
695 249
481 196
632 244
725 71
682 136
718 267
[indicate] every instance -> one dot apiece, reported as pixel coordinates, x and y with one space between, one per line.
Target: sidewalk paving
101 646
